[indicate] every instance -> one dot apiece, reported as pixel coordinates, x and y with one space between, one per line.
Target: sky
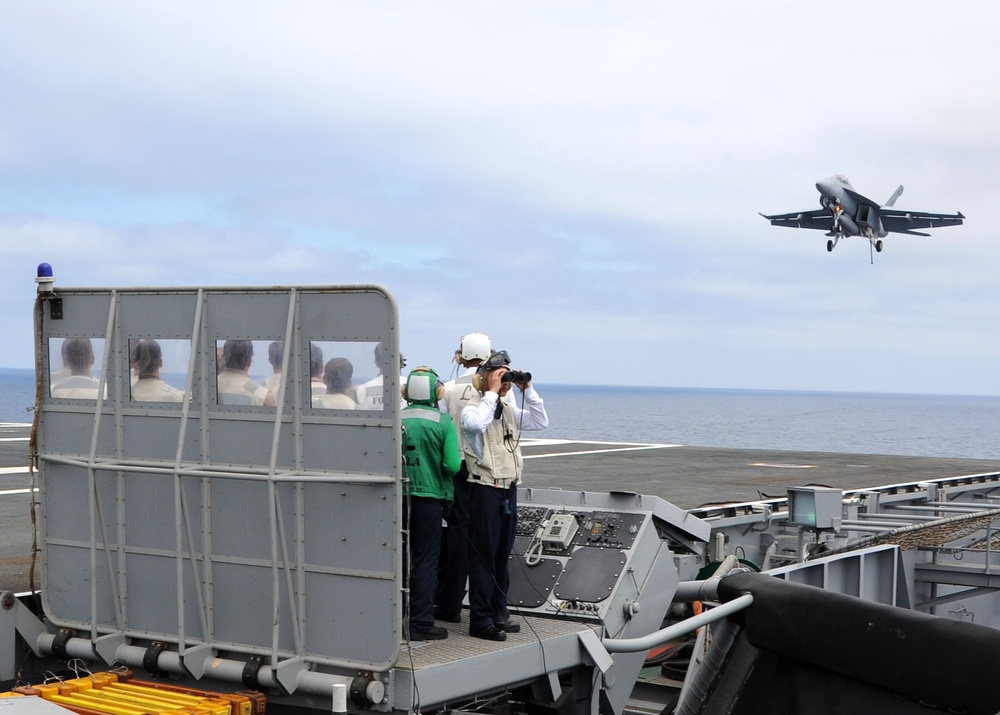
579 180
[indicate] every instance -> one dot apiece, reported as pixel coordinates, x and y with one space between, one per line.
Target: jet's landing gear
837 211
829 245
876 244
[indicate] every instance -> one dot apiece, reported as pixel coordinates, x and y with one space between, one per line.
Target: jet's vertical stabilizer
896 195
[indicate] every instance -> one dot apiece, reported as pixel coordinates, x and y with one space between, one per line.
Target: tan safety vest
501 464
457 394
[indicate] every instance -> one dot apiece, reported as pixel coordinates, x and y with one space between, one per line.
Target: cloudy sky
580 180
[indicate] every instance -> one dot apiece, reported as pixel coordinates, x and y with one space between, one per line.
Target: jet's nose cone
825 187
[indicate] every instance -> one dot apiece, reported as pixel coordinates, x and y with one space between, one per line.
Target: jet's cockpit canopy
842 179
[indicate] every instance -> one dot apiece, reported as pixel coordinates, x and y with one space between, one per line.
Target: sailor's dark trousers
492 527
451 589
423 519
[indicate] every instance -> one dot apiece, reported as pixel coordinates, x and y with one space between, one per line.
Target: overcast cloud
579 180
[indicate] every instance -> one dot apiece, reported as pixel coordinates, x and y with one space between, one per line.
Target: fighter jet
845 213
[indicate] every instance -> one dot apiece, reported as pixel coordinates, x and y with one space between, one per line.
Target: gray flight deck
687 476
692 477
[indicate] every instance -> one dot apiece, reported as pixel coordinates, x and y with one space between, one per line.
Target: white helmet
474 346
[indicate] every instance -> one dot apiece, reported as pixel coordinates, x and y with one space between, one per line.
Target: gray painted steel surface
261 530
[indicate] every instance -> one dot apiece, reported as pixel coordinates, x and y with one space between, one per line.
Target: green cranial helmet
422 387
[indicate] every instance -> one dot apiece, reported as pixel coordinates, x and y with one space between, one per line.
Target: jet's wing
816 218
899 221
861 200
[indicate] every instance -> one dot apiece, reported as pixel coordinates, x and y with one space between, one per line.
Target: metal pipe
708 589
873 527
867 525
687 591
895 517
944 507
247 474
634 645
219 668
960 505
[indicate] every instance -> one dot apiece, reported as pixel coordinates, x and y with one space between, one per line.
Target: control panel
580 560
609 529
589 528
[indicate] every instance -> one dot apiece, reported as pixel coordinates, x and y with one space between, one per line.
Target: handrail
633 645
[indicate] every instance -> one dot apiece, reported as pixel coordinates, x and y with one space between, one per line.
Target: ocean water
916 425
17 395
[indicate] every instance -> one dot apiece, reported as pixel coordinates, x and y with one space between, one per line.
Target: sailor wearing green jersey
432 457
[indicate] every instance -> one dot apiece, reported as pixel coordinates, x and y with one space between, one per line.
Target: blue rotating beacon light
46 291
44 278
